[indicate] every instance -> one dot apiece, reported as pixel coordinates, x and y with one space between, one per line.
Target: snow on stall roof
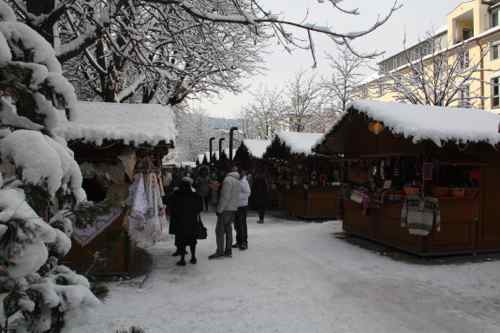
439 124
135 124
256 148
201 156
300 143
215 153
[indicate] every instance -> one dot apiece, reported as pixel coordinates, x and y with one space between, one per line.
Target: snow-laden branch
76 46
261 16
440 77
131 89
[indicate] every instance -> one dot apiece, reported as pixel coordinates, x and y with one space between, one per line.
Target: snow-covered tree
435 75
264 115
304 103
340 86
40 183
149 53
193 134
168 50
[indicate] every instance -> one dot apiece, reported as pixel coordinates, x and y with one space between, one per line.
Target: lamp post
210 149
220 147
231 141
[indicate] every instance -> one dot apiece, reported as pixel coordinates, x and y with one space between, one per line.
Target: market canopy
426 122
133 124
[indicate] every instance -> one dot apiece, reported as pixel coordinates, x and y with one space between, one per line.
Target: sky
415 19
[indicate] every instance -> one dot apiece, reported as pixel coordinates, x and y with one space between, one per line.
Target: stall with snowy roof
304 183
119 148
423 179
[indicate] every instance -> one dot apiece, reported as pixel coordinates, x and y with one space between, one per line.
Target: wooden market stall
305 184
419 178
113 144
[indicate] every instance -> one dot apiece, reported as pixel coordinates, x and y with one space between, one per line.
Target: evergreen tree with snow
40 184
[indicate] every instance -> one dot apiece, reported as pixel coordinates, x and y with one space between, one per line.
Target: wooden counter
457 231
313 204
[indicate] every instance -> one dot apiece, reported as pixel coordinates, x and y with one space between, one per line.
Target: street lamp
210 149
231 140
220 147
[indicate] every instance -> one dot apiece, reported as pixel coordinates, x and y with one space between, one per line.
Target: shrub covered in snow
40 183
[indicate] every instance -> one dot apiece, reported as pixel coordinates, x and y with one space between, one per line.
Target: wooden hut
305 183
112 142
419 178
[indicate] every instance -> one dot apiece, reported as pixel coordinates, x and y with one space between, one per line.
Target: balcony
463 27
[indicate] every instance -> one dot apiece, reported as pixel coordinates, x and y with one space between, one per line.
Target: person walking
226 212
241 215
260 194
202 187
186 206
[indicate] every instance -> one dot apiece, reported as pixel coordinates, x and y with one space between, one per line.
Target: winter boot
216 255
228 254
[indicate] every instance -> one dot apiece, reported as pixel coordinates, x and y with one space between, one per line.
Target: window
467 33
495 92
494 17
464 59
364 91
464 95
380 88
495 50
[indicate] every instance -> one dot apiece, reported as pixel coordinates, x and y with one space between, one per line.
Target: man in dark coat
186 205
202 186
260 194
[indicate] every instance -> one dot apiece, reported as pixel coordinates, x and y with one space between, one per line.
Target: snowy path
297 277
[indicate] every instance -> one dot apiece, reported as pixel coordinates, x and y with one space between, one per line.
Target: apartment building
472 33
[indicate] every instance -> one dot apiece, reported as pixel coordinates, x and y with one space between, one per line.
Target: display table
313 203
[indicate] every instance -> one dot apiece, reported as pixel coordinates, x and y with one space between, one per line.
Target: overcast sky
415 19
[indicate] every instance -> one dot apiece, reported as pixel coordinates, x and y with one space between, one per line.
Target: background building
456 65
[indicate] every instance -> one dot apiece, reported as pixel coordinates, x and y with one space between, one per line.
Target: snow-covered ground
297 277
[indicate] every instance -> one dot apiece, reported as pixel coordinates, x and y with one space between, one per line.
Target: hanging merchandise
128 159
420 215
147 218
84 236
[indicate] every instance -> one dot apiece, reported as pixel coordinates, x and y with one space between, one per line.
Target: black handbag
201 232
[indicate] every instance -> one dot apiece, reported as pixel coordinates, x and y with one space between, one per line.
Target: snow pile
299 143
439 124
134 124
256 148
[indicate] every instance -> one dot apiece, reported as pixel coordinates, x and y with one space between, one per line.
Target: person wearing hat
186 205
